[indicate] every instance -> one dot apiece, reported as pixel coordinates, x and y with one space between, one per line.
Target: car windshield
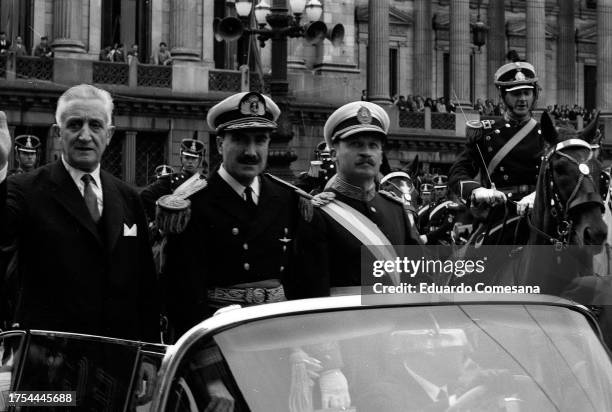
469 357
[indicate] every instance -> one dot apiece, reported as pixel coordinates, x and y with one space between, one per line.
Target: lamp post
275 22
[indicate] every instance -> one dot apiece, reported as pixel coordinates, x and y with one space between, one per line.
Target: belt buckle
255 295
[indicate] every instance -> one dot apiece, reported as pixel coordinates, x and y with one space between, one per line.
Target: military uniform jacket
224 244
330 256
519 167
165 185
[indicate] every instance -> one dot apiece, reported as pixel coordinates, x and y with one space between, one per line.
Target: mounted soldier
501 159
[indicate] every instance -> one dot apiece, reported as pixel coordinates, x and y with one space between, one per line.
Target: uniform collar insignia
354 192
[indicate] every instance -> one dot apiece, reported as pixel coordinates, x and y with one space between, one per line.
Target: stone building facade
389 47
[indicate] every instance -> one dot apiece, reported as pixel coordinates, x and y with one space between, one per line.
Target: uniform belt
517 189
249 296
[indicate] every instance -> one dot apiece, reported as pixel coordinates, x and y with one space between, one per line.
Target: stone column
208 39
566 54
67 26
183 25
129 157
536 42
496 44
423 48
38 23
604 55
378 52
95 27
460 52
295 60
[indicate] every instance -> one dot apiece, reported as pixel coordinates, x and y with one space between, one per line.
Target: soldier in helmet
26 153
505 154
321 169
163 170
192 154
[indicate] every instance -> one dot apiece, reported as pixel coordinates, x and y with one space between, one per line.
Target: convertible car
448 353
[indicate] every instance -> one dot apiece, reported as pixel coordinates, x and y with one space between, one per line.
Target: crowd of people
17 48
116 53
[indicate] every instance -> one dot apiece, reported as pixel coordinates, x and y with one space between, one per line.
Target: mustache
368 161
249 160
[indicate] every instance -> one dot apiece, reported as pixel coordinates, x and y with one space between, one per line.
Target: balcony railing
412 120
224 81
443 121
150 75
34 68
111 73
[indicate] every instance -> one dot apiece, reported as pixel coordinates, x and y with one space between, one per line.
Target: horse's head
569 194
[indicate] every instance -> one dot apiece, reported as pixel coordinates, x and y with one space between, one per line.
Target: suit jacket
77 276
224 244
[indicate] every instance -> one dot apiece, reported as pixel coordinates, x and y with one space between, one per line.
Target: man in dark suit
85 263
238 244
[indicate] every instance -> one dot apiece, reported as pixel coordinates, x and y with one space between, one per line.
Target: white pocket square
130 230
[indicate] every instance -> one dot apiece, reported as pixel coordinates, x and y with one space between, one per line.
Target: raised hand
5 141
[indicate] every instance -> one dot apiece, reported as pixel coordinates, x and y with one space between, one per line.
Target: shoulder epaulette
474 129
305 206
391 196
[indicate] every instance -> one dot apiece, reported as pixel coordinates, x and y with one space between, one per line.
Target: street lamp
274 22
479 31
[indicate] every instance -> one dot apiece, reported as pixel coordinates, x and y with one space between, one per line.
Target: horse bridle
561 211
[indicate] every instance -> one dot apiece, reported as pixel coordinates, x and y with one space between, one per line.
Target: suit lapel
66 193
112 215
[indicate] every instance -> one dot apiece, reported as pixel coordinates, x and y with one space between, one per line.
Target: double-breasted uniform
226 244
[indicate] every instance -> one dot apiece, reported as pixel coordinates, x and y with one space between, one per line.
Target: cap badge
193 147
29 143
519 76
253 106
364 116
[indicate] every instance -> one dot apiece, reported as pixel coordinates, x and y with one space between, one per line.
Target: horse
566 217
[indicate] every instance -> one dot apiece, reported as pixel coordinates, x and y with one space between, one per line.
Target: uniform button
247 266
505 177
507 124
245 246
489 149
509 195
284 248
373 209
497 131
539 131
487 138
235 231
501 168
281 268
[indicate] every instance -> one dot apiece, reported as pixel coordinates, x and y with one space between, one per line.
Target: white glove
491 197
525 204
323 198
334 390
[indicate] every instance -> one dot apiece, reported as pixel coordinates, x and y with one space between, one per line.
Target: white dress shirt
77 174
238 187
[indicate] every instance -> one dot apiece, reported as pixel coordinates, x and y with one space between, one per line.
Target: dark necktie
248 193
90 198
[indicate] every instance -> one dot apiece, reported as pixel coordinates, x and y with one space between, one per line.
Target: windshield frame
210 327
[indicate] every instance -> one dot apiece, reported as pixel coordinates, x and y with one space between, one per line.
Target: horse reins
561 212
